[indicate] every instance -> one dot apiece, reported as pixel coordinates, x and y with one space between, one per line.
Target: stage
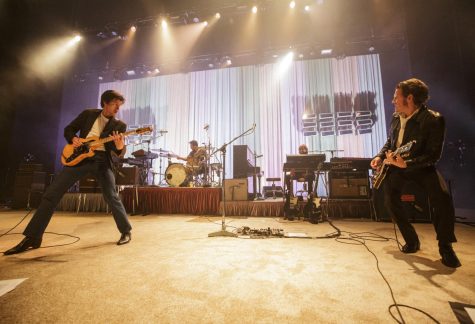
172 272
205 201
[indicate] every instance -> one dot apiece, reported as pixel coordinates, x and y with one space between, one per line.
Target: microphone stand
257 195
222 149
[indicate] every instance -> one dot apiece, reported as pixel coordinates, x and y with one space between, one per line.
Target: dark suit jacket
83 124
427 128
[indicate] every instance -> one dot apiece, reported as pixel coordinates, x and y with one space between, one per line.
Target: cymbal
167 155
160 150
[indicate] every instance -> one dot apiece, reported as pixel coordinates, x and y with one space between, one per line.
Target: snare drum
176 174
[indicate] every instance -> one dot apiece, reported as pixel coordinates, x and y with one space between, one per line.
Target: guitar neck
110 138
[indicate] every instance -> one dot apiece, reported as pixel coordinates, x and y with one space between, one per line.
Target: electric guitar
73 155
381 172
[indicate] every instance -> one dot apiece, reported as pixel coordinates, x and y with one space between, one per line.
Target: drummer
196 155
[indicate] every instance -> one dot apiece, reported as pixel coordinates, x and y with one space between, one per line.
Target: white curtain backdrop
230 100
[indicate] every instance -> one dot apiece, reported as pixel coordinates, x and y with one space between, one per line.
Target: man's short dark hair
194 142
110 95
418 89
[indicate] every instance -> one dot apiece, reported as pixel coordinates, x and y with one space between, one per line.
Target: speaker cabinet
28 188
89 184
271 192
240 161
414 200
349 184
235 189
127 176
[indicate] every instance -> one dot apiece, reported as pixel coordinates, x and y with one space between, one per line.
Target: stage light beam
254 9
284 64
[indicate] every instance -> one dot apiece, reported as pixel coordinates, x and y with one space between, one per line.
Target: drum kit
198 171
202 169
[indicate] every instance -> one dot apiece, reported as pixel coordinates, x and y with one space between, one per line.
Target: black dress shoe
25 244
124 238
411 248
449 258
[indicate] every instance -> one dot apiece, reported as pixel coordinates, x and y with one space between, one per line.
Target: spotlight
156 71
307 8
300 55
196 20
292 4
205 23
164 24
130 72
133 28
326 51
229 62
217 15
371 49
77 38
254 9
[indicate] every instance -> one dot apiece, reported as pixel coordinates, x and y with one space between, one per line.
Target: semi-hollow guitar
380 174
73 155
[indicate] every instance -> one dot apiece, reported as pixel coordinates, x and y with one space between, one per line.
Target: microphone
206 126
163 131
258 156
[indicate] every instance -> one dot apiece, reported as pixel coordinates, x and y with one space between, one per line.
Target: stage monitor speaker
349 184
235 189
89 184
127 176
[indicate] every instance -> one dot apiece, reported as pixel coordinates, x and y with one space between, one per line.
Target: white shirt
403 120
97 129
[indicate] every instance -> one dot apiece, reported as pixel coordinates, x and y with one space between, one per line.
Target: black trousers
441 204
99 167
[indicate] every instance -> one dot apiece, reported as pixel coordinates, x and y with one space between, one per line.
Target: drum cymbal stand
207 166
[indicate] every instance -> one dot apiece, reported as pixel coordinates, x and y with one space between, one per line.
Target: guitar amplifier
235 189
89 184
127 176
349 184
414 201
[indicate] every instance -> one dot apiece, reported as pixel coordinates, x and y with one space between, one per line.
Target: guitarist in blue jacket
413 121
91 122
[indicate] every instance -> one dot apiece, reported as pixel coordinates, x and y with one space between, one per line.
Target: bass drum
177 175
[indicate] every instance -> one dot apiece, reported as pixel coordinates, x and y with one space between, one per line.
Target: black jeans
442 208
99 167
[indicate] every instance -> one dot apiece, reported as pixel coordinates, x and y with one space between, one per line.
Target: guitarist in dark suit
91 122
412 120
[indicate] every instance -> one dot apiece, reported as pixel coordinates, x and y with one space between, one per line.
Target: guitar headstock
143 130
